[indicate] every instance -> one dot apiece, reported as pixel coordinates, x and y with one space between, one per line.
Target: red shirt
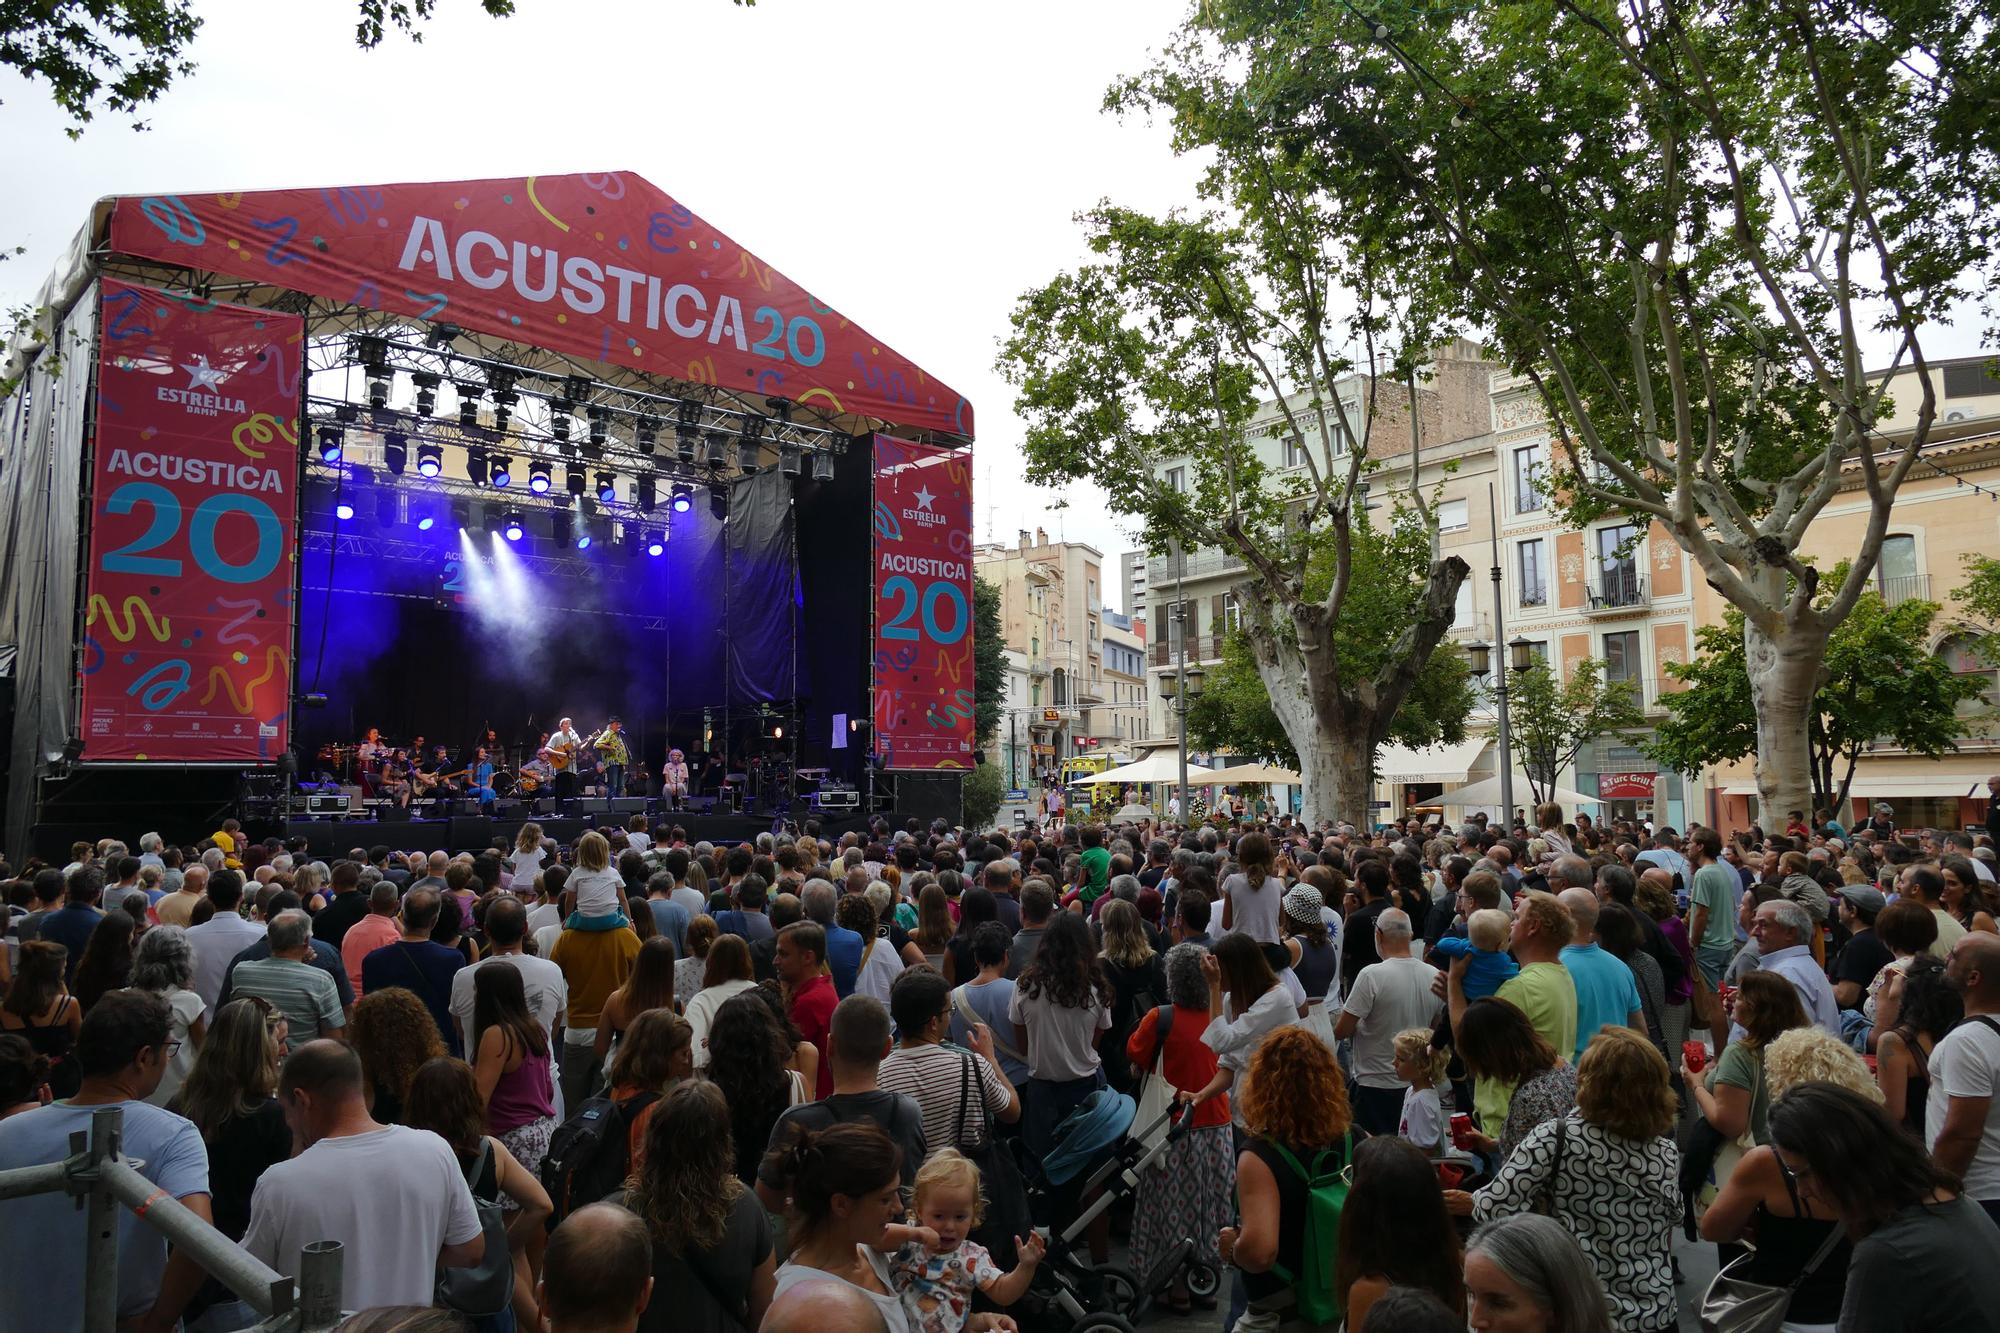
812 1014
1190 1062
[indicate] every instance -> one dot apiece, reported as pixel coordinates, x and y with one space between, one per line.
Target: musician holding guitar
560 752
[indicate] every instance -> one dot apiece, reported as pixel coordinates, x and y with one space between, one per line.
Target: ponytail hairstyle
855 1159
1414 1045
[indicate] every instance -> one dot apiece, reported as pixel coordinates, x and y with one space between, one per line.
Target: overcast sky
915 165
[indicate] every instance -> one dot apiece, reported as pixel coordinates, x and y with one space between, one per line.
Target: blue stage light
426 523
655 544
538 478
683 499
512 527
583 542
331 441
343 511
500 472
430 460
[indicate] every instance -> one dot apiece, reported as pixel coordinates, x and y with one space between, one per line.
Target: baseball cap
1867 901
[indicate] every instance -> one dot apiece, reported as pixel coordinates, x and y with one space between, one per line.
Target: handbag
1545 1199
1735 1304
487 1287
1156 1095
1007 1214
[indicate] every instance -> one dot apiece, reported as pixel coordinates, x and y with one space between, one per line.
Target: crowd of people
1423 1076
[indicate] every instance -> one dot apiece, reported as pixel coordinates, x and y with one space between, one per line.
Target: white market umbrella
1135 812
1487 792
1266 773
1156 767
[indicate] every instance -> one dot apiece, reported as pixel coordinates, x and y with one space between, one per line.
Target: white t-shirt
547 988
528 864
1422 1122
880 967
393 1197
1254 911
596 891
639 842
1062 1042
1235 1037
186 1007
1967 1064
701 1011
690 899
1388 997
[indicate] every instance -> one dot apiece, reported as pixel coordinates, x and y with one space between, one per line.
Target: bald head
1572 871
823 1307
1659 876
598 1272
1973 969
1582 905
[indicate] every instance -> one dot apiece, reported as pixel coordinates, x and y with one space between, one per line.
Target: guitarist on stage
561 750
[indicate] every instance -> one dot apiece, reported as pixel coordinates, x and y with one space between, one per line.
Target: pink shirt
364 937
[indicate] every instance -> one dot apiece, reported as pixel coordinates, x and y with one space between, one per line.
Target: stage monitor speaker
395 814
592 805
470 831
628 805
510 810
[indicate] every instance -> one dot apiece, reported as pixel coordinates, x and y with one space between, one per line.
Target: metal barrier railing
101 1179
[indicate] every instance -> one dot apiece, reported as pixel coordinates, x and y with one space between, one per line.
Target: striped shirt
934 1076
301 992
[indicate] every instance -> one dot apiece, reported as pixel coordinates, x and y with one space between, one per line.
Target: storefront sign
1626 786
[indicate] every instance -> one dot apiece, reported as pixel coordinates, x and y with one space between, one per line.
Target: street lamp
1520 651
1180 690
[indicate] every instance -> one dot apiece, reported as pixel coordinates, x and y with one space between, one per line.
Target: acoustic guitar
560 756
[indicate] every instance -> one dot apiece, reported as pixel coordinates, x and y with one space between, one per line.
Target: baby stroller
1095 1150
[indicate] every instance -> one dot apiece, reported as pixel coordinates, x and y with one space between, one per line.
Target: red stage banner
923 605
606 267
188 629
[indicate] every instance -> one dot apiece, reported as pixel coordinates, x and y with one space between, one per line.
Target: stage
422 459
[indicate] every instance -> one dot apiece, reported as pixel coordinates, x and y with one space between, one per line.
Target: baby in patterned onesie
936 1266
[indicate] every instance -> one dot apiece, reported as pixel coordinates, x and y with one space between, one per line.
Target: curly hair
1065 969
1655 899
444 1098
394 1034
1809 1055
685 1183
1623 1087
747 1057
1295 1094
950 1168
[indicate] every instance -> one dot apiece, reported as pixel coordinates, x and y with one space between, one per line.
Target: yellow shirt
1547 995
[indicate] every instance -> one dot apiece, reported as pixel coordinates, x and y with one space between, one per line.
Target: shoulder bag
1735 1304
487 1287
1545 1199
972 1020
1156 1095
1000 1179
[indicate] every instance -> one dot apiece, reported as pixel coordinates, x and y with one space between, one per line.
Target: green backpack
1327 1185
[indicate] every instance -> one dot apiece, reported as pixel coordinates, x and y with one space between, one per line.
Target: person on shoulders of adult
1542 989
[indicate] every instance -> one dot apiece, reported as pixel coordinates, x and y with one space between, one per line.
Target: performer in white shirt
562 750
674 779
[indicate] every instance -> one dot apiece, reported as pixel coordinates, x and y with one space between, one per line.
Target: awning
1445 764
1877 788
1486 792
1265 773
1160 766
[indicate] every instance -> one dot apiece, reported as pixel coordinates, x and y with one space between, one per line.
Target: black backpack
590 1154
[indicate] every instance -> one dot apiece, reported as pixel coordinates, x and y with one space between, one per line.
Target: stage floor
331 837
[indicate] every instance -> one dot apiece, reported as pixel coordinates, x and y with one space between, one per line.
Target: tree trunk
1337 774
1784 673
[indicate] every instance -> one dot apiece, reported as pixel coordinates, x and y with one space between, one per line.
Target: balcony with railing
1162 571
1616 587
1899 588
1203 648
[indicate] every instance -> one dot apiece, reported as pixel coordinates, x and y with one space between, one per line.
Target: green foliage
1553 720
989 663
1879 683
981 794
120 55
1979 598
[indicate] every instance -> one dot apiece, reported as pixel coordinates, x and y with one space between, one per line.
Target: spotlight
647 436
718 499
646 492
332 439
607 487
461 514
600 424
371 350
500 474
718 446
559 528
583 540
385 509
630 536
538 477
574 480
468 403
559 423
475 464
344 510
512 527
747 455
687 428
379 384
427 382
425 514
683 499
822 466
656 543
430 459
789 460
503 379
503 408
576 388
396 452
443 335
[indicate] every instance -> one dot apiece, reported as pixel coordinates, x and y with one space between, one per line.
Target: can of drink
1461 1129
1696 1055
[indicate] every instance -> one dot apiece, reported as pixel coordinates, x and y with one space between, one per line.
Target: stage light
656 543
574 480
371 350
475 464
822 465
607 487
576 388
500 473
630 536
430 459
559 424
332 439
427 382
718 500
385 509
600 424
379 384
645 492
789 460
425 514
583 541
512 527
647 436
718 448
443 335
559 527
461 515
687 428
344 510
683 499
503 408
468 405
396 452
747 454
502 379
538 477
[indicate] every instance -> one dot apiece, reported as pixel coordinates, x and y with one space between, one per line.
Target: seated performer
479 780
674 779
371 751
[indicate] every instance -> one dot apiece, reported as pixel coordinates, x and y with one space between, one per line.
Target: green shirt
1717 888
1742 1067
1547 995
1096 872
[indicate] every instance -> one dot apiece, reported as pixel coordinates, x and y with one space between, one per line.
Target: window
1093 629
1897 572
1618 565
1621 656
1035 694
1059 686
1232 617
1295 452
1177 479
1534 572
1454 516
1961 654
1528 469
